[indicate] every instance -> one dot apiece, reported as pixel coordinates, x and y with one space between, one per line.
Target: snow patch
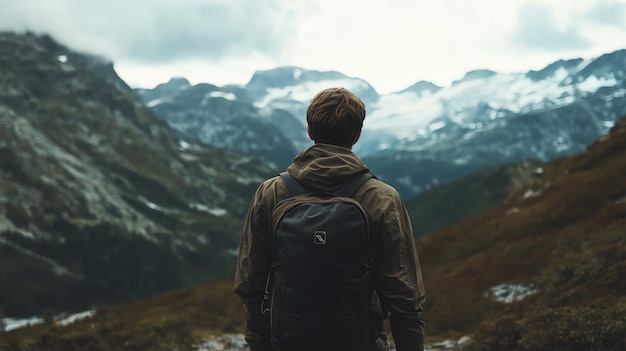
224 95
62 320
531 193
593 83
189 157
226 342
303 93
508 293
154 102
62 58
65 321
211 210
148 203
16 323
512 211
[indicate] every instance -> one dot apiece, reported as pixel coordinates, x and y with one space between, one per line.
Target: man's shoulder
269 182
381 187
271 190
375 193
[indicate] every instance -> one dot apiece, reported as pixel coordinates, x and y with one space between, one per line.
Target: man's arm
252 270
400 277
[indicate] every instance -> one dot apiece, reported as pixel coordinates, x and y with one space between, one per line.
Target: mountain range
425 134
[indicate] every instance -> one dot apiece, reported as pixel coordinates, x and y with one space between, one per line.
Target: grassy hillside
164 322
565 233
468 196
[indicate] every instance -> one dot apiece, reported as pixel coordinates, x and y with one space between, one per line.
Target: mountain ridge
101 199
425 134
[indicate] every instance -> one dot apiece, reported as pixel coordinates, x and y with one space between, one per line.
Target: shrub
563 329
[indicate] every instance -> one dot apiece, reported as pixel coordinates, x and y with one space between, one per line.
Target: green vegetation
468 196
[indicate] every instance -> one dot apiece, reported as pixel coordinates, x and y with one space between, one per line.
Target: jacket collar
325 166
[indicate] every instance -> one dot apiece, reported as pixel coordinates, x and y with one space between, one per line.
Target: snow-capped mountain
291 88
476 100
426 134
264 118
226 118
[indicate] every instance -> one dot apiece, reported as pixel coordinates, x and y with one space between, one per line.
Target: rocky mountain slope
224 117
259 119
100 200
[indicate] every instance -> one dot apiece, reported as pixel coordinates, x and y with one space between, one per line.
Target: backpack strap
350 188
347 190
294 186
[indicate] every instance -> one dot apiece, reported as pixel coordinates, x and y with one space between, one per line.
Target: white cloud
609 13
391 44
158 31
539 29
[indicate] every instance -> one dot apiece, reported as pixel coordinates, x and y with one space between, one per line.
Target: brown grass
163 322
569 239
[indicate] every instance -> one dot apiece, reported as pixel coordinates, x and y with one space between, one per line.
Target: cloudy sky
389 43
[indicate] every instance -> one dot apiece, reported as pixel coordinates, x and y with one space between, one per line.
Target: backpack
318 292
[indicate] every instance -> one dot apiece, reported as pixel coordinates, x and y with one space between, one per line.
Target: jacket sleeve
399 275
252 270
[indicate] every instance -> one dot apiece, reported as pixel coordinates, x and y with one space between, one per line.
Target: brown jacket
397 272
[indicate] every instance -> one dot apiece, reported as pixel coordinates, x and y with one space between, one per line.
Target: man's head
335 116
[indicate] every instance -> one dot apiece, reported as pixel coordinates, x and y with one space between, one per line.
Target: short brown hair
335 116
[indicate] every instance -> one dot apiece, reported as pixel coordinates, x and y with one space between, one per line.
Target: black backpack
319 293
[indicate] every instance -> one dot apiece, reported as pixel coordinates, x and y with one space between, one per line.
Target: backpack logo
320 237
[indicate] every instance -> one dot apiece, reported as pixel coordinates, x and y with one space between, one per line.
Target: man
335 118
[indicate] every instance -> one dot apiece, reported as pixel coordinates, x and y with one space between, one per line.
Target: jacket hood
325 166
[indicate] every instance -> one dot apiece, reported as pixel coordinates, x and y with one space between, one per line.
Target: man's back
335 119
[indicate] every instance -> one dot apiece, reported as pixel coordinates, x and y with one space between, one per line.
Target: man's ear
356 137
308 129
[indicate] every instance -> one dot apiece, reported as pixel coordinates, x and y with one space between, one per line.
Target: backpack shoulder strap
350 188
294 186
